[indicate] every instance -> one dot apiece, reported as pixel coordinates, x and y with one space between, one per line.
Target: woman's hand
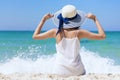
91 16
47 16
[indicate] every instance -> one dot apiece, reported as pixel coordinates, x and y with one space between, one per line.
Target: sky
26 14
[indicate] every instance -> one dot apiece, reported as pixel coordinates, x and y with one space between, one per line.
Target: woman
68 34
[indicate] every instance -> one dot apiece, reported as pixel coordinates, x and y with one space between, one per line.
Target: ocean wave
93 63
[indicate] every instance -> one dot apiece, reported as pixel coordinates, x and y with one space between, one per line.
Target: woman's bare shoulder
54 30
82 33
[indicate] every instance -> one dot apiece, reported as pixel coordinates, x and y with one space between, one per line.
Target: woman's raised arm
90 35
49 34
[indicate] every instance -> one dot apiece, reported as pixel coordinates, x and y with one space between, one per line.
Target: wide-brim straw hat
70 11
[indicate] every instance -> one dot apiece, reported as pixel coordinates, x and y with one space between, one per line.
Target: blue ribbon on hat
63 20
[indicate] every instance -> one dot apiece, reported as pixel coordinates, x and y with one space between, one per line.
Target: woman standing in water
68 36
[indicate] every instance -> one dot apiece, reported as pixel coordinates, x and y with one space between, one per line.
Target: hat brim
77 22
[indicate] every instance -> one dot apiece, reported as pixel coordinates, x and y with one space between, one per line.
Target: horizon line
46 30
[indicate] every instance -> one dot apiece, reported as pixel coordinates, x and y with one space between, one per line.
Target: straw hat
69 17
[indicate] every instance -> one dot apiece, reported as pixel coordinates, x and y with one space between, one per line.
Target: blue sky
26 14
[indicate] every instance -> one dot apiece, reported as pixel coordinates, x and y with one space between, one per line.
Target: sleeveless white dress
68 61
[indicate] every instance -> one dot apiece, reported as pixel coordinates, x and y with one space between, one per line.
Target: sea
20 53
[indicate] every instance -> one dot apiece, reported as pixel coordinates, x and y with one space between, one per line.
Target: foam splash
45 64
94 63
41 65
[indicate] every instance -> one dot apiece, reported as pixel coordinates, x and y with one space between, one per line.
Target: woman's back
69 43
67 33
68 60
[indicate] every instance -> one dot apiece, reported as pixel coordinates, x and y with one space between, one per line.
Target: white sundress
68 60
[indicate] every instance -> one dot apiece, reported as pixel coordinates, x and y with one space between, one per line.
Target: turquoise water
22 53
20 43
107 48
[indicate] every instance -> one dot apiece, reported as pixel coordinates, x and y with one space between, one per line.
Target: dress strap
76 33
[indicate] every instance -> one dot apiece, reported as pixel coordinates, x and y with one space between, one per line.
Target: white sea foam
45 64
94 63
